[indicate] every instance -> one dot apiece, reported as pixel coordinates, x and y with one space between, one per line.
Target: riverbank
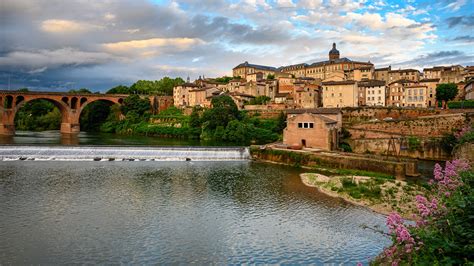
381 195
397 167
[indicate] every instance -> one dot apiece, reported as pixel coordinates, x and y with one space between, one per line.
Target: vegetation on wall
459 137
163 86
259 100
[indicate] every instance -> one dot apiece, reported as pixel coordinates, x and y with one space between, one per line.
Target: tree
120 89
222 112
446 92
163 86
136 104
93 115
270 76
81 91
259 100
281 122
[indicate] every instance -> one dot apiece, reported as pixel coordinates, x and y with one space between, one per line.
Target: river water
143 212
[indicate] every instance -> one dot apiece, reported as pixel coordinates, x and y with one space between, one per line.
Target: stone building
313 128
374 91
382 74
324 69
396 92
363 73
340 94
415 95
181 94
254 77
297 71
446 74
431 90
246 68
307 95
286 85
408 74
469 90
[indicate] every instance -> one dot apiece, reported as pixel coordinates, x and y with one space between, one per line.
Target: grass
369 190
353 172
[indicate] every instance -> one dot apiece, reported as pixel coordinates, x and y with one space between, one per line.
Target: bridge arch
63 107
70 106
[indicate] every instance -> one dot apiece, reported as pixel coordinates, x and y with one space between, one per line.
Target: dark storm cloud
465 38
439 58
467 21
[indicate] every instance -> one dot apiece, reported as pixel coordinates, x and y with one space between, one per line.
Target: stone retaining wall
398 169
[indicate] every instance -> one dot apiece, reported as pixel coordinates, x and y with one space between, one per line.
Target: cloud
439 58
147 44
467 21
66 26
465 38
455 5
39 60
102 43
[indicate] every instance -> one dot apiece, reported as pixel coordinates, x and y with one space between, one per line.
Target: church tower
334 53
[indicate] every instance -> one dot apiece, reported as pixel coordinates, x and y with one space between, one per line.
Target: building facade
395 95
311 130
245 69
415 95
340 94
374 91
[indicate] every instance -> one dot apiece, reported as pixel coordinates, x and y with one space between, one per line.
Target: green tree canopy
446 91
259 100
120 89
134 103
222 112
81 91
270 76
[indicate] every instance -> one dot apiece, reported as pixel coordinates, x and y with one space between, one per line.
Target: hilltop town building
245 69
415 95
430 90
374 91
408 74
396 92
340 94
446 74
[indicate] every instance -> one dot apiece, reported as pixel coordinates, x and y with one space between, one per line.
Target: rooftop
322 111
261 67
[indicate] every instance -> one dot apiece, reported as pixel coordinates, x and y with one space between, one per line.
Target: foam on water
116 153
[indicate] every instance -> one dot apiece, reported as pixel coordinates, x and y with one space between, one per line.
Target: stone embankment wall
427 131
429 149
427 126
360 114
399 169
465 151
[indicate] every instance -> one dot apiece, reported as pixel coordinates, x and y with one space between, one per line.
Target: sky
58 45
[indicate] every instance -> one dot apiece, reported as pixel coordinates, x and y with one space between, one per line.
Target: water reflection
54 137
175 212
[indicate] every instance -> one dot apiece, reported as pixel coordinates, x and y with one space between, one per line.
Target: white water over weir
113 153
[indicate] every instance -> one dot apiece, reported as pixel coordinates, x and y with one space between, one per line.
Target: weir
115 153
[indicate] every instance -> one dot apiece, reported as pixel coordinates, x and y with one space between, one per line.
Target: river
143 212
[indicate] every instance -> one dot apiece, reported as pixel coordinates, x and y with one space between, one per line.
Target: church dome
334 53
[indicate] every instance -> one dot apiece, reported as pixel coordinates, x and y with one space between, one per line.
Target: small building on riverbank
313 128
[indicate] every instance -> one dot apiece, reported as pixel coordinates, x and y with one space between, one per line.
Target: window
306 125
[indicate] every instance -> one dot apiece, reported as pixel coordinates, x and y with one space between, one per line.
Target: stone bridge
71 105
